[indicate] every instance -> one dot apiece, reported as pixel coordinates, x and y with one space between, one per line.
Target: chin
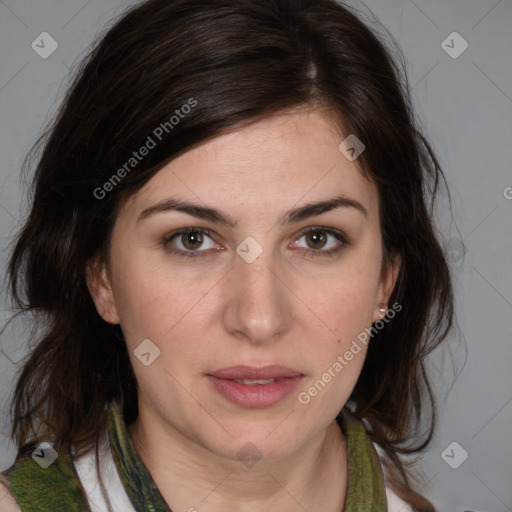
249 440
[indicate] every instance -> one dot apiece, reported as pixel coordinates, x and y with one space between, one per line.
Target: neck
191 477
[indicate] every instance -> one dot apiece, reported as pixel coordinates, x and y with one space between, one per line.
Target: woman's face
246 287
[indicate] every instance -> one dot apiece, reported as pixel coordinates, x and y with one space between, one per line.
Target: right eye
187 242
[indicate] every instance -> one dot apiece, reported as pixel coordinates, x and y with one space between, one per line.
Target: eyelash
310 253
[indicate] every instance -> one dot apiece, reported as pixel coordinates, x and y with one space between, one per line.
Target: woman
231 253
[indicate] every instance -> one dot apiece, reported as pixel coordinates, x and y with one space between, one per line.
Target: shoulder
84 466
7 501
49 485
71 482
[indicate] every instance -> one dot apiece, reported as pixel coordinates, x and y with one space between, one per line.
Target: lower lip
258 395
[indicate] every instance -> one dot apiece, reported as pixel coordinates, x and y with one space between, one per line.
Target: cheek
346 308
347 302
336 361
173 317
161 305
345 315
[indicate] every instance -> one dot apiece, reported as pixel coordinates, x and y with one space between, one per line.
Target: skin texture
7 502
218 310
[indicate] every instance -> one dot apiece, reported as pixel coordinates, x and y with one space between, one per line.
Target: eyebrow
218 217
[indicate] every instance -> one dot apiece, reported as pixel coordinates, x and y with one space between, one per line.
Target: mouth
253 387
251 382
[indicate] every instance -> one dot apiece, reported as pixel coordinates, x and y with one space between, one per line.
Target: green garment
58 488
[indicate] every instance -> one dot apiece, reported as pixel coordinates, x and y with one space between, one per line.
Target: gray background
465 105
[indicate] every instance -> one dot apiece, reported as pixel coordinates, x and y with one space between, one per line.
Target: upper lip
253 373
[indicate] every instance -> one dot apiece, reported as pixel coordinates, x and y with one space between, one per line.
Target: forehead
267 166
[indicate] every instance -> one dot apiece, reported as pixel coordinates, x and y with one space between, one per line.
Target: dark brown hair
240 61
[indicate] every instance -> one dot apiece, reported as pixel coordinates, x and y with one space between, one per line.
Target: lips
248 386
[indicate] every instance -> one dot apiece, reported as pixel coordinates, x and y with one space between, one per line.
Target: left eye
323 240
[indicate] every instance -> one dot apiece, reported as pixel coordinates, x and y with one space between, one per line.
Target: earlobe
98 284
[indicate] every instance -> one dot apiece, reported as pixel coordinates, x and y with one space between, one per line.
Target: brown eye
321 241
316 239
192 240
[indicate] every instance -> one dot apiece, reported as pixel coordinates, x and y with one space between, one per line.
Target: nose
259 302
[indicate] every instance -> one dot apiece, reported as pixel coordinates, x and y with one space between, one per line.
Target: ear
389 275
98 283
